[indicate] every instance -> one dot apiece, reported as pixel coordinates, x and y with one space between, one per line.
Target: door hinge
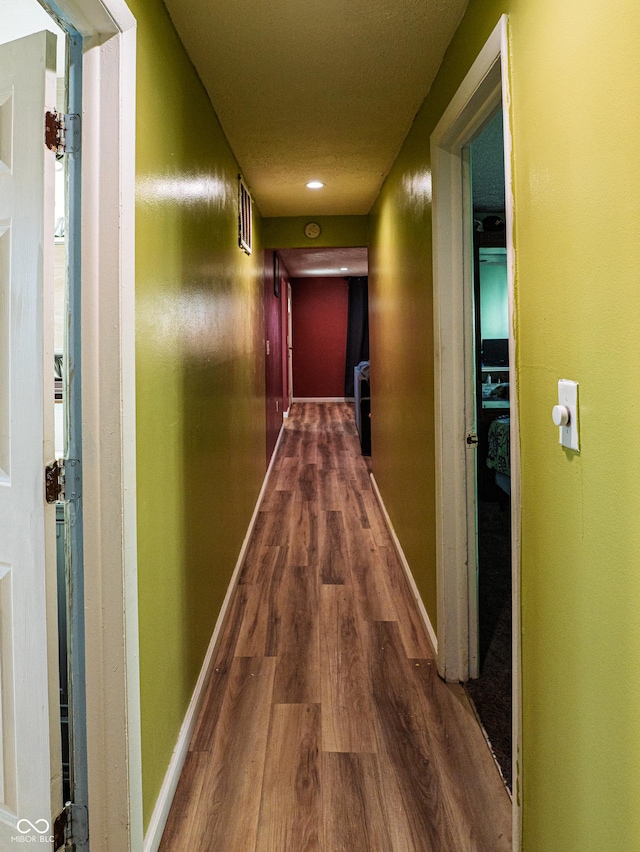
472 439
71 828
62 132
62 480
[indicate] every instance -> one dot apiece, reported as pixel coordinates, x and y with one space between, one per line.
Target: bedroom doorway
489 685
459 372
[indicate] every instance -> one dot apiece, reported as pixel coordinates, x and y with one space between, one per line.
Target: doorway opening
321 296
97 45
65 273
463 350
489 686
39 168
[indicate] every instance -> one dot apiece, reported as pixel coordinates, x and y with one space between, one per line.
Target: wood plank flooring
325 725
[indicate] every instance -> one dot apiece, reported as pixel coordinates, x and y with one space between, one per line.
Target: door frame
483 88
289 347
108 419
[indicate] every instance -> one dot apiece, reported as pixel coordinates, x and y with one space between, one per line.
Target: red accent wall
319 311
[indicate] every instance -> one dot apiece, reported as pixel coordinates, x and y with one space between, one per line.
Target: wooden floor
325 725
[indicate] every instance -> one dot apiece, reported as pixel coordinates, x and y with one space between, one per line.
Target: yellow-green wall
200 380
576 125
336 231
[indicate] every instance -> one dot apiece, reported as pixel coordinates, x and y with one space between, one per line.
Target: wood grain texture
298 649
188 808
260 567
414 784
291 807
347 710
255 544
252 636
326 458
453 728
307 482
216 688
303 537
271 601
354 817
276 504
234 768
376 521
309 449
324 724
287 474
369 581
414 638
333 548
329 492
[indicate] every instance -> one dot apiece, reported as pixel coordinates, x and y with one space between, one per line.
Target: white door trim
486 84
108 421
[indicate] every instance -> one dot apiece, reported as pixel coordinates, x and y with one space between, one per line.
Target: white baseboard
322 399
169 785
424 615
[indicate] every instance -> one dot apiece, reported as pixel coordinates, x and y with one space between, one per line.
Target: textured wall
319 318
336 231
576 83
200 380
575 90
401 354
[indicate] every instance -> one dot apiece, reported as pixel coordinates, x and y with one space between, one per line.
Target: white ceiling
487 167
325 262
321 91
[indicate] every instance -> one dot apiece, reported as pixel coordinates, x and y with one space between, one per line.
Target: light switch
565 414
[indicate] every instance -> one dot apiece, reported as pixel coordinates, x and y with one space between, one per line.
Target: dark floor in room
491 692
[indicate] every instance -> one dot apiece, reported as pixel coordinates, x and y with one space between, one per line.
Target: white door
30 788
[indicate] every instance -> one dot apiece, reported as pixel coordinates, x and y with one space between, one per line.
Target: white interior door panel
30 763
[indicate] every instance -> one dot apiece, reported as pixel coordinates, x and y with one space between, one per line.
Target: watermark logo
33 832
40 826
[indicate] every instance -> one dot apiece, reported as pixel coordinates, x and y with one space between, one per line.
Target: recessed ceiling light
315 184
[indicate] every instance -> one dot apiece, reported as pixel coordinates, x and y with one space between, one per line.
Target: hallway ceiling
323 91
325 262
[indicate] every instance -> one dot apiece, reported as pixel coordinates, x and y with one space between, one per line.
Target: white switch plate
568 396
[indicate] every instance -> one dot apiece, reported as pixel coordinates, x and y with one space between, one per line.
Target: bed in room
498 457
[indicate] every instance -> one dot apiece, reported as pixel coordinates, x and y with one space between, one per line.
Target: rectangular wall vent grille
244 217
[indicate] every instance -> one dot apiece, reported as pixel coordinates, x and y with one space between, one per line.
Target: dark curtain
357 329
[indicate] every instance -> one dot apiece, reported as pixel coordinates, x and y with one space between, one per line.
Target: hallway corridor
325 725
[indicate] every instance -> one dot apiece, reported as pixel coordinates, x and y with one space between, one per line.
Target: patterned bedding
498 455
